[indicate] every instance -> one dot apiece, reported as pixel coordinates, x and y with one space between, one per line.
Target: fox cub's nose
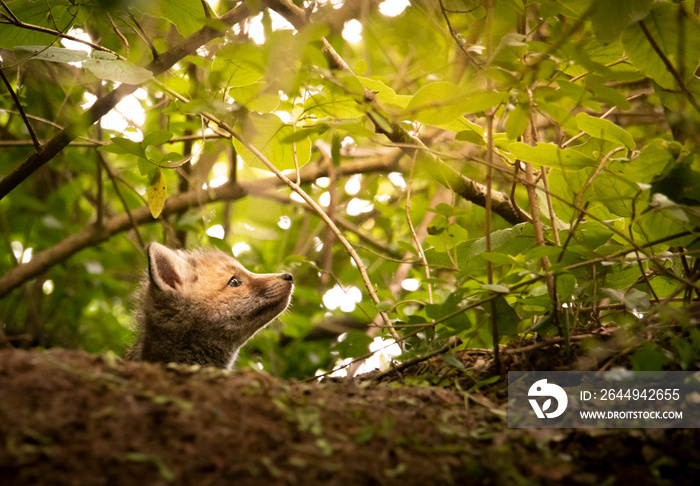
288 276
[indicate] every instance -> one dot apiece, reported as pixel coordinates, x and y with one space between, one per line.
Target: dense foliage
506 166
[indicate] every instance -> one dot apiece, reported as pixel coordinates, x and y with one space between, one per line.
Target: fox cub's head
208 297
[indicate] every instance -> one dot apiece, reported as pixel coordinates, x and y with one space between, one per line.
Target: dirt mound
71 418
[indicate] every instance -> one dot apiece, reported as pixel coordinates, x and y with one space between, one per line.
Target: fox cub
200 307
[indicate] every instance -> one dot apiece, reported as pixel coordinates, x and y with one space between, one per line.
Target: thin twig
100 195
37 118
416 241
112 177
489 180
457 38
119 33
57 33
207 9
140 32
331 161
550 207
18 104
669 65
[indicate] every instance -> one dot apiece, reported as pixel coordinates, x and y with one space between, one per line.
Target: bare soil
71 418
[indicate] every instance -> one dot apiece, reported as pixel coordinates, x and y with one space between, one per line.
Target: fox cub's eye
234 282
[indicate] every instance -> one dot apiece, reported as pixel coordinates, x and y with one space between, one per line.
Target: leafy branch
11 19
105 104
410 144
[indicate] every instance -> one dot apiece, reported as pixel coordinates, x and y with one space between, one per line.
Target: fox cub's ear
166 269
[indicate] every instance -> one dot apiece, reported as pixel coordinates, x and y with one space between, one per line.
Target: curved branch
93 235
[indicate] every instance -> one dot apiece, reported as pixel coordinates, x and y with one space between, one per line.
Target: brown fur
190 314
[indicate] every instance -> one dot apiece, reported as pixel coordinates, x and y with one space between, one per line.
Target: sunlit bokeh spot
239 248
346 300
392 8
353 185
216 231
358 206
284 222
352 31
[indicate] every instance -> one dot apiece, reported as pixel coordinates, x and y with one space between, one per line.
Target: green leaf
634 300
450 359
542 251
469 136
648 358
550 155
266 133
238 65
117 70
482 101
173 159
668 25
103 65
465 130
255 98
506 318
617 193
156 137
381 91
113 149
517 121
593 234
499 258
187 16
441 102
127 146
384 307
611 17
652 159
51 54
437 103
145 166
154 154
498 288
157 192
559 114
566 284
302 133
332 102
605 129
606 94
